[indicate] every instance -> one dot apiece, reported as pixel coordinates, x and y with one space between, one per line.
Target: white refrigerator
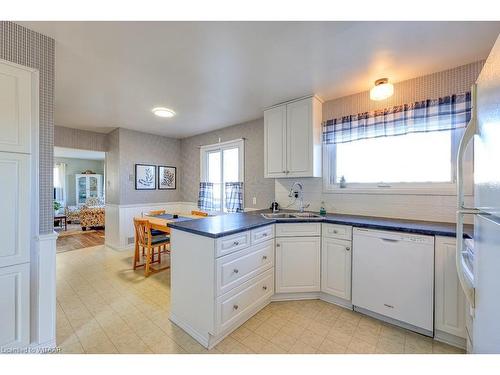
478 266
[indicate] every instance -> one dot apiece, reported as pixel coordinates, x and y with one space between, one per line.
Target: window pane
231 165
418 157
214 174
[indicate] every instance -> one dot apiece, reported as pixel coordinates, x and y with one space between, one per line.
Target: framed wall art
145 177
167 177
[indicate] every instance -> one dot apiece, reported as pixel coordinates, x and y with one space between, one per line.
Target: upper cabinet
292 139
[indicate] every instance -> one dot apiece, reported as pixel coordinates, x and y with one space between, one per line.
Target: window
60 183
416 161
222 163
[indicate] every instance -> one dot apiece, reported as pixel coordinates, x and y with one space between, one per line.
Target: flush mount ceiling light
382 89
163 112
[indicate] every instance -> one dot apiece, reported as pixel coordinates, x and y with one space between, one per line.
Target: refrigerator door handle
470 131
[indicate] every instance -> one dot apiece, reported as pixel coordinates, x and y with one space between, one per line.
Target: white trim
294 100
449 339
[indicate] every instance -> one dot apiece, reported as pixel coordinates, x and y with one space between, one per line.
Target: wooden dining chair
156 232
149 244
199 213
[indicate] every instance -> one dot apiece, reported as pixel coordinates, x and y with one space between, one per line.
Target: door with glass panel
88 186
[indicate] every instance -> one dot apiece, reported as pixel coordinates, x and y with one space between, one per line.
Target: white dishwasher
393 276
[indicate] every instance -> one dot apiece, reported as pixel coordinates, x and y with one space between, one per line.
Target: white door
275 142
14 208
15 108
298 264
299 138
14 306
450 298
336 268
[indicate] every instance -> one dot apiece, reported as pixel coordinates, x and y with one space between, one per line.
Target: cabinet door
14 306
450 298
15 208
15 109
336 268
299 138
297 264
275 142
81 189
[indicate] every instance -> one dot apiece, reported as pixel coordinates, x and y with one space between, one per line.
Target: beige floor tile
70 345
283 340
310 338
357 346
276 321
417 344
318 328
292 329
331 347
302 348
253 323
393 333
267 330
254 342
240 333
270 348
232 346
387 346
366 334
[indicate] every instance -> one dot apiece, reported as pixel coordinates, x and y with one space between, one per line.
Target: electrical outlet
254 201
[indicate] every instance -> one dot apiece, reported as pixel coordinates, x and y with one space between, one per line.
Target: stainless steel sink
293 216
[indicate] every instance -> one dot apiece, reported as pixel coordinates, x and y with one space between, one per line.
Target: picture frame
145 177
167 177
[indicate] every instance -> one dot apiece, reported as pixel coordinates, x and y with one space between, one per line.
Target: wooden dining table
160 222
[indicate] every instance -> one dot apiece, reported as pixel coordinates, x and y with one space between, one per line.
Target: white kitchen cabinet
15 306
449 296
292 139
336 267
297 264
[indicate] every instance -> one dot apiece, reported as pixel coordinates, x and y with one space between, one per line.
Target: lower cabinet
449 297
298 264
15 306
336 267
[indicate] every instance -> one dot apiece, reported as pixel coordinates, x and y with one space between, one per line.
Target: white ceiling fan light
163 112
382 89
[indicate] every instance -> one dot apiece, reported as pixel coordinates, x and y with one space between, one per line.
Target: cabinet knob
264 234
264 287
236 243
335 231
264 257
348 248
235 307
236 270
278 245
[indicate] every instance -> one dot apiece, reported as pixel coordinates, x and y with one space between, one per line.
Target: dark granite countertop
226 224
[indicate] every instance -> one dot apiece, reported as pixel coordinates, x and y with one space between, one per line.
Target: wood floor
80 240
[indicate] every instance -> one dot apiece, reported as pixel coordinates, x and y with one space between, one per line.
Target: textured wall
420 207
75 166
25 47
80 139
137 147
255 183
435 85
113 167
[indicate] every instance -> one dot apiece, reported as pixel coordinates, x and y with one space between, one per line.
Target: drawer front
230 244
235 307
298 229
236 268
341 232
262 234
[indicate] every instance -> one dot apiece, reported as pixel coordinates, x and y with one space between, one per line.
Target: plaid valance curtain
234 196
233 193
446 113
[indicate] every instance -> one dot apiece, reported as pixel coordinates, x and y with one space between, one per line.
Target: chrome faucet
298 194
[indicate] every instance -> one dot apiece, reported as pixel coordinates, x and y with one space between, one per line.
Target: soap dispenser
322 210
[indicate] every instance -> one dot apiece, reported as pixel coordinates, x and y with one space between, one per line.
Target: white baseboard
449 339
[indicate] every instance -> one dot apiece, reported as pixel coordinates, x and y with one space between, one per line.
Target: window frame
221 146
414 188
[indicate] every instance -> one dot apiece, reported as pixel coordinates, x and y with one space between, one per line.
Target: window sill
445 190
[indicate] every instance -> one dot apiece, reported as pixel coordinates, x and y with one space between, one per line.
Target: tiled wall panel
25 47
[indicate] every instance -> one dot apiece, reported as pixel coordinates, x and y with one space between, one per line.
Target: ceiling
73 153
216 74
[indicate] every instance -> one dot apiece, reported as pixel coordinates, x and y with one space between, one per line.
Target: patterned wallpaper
81 139
25 47
255 183
435 85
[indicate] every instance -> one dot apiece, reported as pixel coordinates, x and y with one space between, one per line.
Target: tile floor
105 307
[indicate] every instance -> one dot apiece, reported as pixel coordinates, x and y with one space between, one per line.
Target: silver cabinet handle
348 248
236 270
264 234
235 307
284 171
389 306
264 257
264 287
278 245
236 243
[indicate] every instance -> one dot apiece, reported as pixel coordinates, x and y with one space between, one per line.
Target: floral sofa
91 214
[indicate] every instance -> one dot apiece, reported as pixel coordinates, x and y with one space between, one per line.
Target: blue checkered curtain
234 196
446 113
206 196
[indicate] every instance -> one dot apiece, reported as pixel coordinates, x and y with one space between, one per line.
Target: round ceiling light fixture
163 112
382 89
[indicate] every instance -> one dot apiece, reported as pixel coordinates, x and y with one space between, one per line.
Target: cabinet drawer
262 234
235 307
230 244
236 268
342 232
298 229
